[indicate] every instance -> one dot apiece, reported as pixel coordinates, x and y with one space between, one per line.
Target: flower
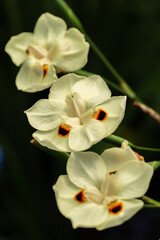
79 112
101 191
50 46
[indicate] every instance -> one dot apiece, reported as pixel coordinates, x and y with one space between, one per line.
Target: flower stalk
150 203
155 164
123 85
116 140
76 23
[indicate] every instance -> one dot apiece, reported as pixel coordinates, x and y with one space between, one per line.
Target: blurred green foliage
128 33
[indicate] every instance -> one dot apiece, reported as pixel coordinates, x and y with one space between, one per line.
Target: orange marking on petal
64 130
115 207
45 70
100 115
113 172
27 52
79 197
141 158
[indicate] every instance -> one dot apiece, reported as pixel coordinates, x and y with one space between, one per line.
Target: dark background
128 33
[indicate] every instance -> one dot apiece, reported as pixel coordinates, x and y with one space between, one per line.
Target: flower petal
115 157
83 137
49 28
93 90
133 178
64 86
31 77
46 114
85 214
74 51
115 108
51 140
17 47
86 169
130 208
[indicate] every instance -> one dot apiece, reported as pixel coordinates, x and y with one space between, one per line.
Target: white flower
79 112
101 191
50 45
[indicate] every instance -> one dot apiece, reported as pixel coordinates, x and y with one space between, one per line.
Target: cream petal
115 108
74 51
17 47
50 139
46 114
133 178
93 90
83 137
31 77
73 122
64 86
115 157
86 169
130 208
49 28
86 214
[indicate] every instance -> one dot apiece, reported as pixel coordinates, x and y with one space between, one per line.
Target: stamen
100 115
45 70
113 172
79 197
64 130
115 207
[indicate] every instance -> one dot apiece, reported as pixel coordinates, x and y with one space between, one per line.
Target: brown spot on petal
115 207
27 52
79 197
100 115
113 172
64 130
45 70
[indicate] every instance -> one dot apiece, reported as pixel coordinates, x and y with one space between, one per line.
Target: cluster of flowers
99 191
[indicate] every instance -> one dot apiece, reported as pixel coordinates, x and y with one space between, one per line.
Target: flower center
37 51
41 53
106 193
77 108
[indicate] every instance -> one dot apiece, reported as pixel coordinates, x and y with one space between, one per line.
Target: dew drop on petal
115 207
79 197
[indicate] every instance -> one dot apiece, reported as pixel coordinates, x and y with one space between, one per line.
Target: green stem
154 164
150 202
116 140
123 84
53 153
67 11
77 23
